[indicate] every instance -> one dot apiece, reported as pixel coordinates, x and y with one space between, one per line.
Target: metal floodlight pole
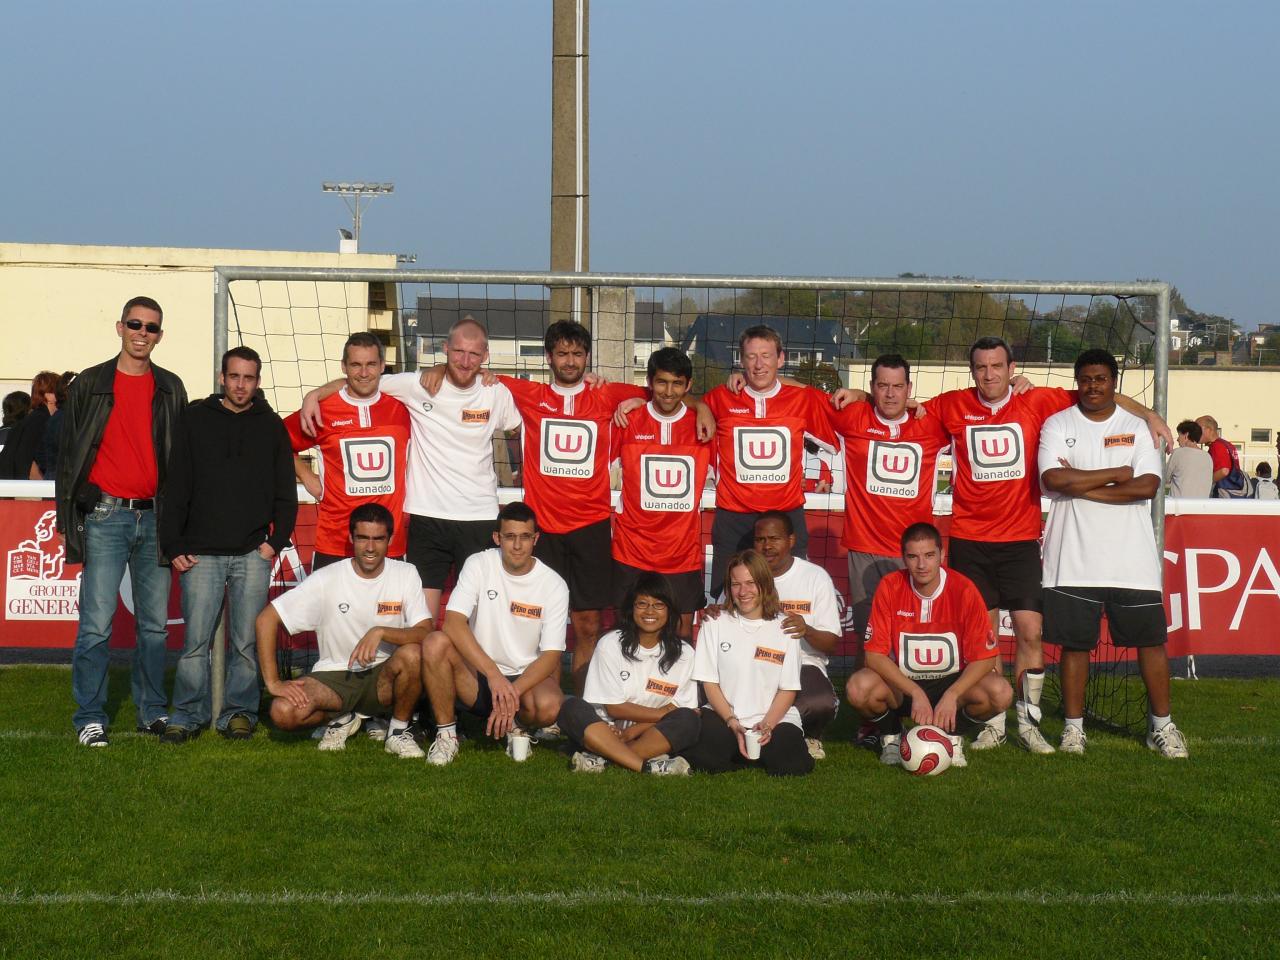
357 196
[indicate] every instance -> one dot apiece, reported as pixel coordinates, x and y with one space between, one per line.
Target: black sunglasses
152 328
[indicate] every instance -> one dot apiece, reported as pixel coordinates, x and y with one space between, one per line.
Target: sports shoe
1073 740
155 727
92 735
402 744
868 737
337 730
1169 742
1032 740
989 738
890 754
665 766
957 752
585 762
239 727
549 732
443 750
375 729
174 734
815 748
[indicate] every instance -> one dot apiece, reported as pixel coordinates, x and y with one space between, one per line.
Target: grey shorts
358 689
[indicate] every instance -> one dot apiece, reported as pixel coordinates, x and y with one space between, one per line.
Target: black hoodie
230 482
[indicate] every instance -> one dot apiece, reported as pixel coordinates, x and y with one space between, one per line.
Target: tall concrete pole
569 183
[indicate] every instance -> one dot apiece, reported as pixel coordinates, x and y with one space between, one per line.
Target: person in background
16 406
1222 451
47 455
18 459
1189 472
1264 488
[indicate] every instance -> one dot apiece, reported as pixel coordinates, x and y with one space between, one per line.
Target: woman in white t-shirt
638 706
749 668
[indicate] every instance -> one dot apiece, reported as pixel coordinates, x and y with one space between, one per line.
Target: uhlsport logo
666 483
926 656
893 469
36 584
762 454
368 465
996 452
568 448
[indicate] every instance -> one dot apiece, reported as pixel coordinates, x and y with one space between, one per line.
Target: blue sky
1001 140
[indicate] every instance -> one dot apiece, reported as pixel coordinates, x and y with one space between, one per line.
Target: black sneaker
174 734
868 737
92 735
239 727
155 727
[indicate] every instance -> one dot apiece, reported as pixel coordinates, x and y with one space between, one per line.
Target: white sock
996 723
1076 722
396 726
1159 723
448 729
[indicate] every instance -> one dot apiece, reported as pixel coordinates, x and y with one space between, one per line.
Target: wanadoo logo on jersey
893 469
568 448
928 656
37 584
666 483
996 452
368 465
762 454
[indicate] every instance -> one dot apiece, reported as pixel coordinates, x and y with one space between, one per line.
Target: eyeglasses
649 605
151 327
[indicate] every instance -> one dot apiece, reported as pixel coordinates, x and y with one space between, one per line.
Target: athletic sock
1077 722
996 723
451 729
966 723
396 726
1159 723
888 723
1028 706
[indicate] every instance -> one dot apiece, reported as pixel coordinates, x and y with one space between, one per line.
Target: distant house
817 339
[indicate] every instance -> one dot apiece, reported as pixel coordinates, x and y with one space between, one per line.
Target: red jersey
658 525
364 448
930 637
125 465
760 444
888 475
995 483
567 435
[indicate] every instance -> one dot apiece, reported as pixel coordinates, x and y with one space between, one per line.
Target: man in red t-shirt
931 651
363 438
1221 452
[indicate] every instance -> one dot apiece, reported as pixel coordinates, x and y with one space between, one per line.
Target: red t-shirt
760 444
930 637
364 447
566 450
1223 454
126 462
889 476
995 481
658 525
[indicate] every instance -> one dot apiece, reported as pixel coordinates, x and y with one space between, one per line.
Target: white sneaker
989 738
549 732
1169 742
375 728
1032 740
337 730
1073 740
815 748
92 735
585 762
957 752
403 745
890 750
444 749
665 766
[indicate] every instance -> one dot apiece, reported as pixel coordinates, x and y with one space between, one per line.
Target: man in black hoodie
230 508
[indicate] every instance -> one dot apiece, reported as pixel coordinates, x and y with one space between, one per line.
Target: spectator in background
1221 452
1189 472
1264 488
18 459
47 455
16 406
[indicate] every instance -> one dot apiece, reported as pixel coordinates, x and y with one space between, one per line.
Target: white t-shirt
808 590
341 607
450 473
1088 544
751 660
514 619
612 678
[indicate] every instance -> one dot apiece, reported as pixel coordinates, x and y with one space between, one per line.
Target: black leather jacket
88 407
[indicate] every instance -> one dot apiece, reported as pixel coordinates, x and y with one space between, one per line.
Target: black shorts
321 560
437 546
584 557
484 697
933 689
687 587
358 689
1006 574
1073 615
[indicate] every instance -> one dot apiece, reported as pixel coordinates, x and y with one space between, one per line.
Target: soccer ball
926 751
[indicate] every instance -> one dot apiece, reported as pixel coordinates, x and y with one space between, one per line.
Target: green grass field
272 849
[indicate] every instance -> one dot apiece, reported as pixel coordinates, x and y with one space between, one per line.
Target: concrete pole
569 182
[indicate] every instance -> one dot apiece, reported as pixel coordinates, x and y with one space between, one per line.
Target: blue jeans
116 539
244 580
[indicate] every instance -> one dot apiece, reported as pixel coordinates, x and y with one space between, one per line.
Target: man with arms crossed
497 654
1100 549
931 651
370 619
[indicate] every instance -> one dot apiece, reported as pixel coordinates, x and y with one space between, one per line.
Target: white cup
519 745
753 744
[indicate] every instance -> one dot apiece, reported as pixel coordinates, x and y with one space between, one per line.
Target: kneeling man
370 620
930 650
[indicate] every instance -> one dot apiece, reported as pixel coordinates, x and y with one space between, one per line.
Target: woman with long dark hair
637 709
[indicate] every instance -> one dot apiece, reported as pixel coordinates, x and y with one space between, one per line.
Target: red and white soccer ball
926 751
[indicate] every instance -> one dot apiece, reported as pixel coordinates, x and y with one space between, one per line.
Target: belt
128 504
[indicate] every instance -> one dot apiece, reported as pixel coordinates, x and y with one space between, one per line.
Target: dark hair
243 353
1191 429
672 361
760 332
516 511
658 587
46 381
1100 358
891 361
990 343
363 338
16 406
141 302
64 385
1264 470
567 331
778 515
758 567
921 531
372 513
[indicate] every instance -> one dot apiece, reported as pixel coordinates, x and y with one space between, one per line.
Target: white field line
595 898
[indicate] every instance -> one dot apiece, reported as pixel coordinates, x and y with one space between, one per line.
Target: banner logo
666 483
762 454
36 584
996 452
926 656
368 465
893 469
568 448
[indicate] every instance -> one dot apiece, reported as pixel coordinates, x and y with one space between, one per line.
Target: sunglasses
152 328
